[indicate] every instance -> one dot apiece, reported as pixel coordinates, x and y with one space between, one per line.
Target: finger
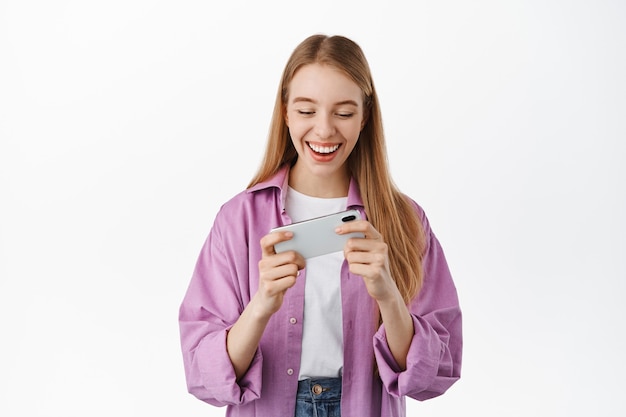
283 284
290 259
365 245
279 272
362 270
362 226
353 226
377 259
272 261
273 288
268 241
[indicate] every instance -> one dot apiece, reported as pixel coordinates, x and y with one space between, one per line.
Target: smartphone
315 237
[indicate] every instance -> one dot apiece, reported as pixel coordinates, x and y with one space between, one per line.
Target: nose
324 127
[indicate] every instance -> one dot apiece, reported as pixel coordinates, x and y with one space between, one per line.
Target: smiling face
325 116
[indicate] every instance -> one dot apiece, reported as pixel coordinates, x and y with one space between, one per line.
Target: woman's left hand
369 258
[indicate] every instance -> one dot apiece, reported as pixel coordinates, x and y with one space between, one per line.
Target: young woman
350 333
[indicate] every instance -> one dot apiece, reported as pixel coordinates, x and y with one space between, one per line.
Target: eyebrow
310 100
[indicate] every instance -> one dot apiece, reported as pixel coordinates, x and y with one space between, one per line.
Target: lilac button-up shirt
225 279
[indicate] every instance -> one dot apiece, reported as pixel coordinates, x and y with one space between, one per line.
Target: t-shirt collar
280 180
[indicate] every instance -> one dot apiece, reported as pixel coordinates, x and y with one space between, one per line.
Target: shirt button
293 320
289 371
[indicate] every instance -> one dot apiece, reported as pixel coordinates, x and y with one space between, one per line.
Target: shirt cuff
218 374
422 361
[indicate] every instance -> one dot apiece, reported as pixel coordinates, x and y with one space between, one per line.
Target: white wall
124 125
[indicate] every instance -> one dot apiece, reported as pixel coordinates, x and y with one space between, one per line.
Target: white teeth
323 149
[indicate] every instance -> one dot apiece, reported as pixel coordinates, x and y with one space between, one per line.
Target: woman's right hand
277 272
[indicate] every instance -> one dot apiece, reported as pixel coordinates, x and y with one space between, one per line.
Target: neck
331 186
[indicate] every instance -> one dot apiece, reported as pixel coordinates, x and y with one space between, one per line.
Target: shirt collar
280 180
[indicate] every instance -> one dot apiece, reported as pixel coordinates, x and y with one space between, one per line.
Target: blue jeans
319 397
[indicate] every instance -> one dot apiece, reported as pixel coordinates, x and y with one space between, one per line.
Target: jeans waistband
320 389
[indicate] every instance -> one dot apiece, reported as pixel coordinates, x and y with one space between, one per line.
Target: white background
124 125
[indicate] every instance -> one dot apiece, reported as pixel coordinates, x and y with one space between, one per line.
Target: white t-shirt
322 339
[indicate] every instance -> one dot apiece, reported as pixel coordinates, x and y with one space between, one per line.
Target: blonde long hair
388 210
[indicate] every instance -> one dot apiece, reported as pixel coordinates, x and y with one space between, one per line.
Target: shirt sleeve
434 357
212 304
